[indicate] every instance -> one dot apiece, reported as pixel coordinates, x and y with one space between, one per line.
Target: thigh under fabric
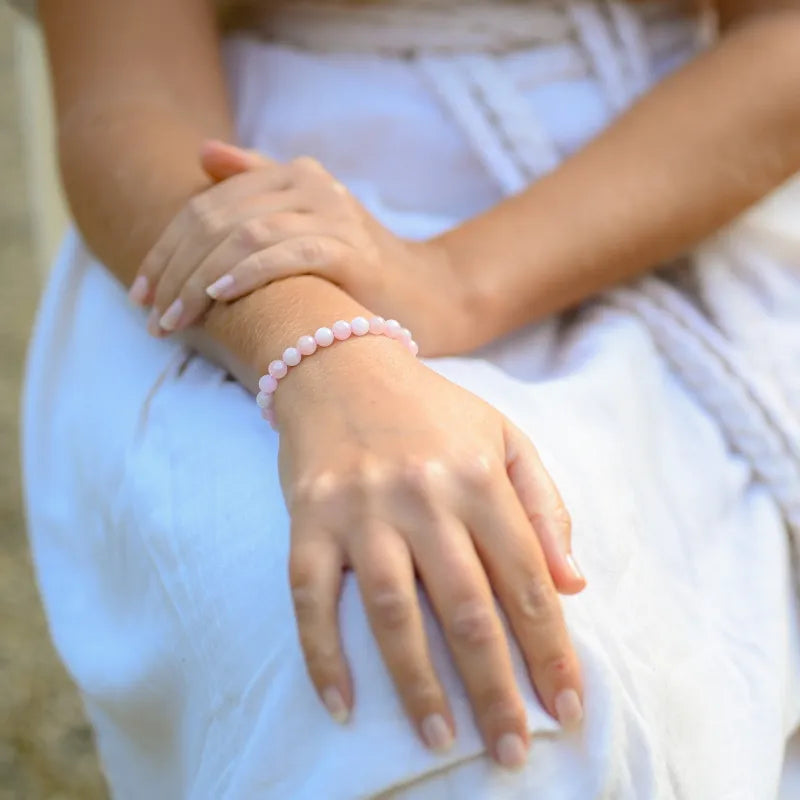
161 540
160 535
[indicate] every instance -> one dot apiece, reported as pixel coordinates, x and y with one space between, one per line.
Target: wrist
327 367
477 284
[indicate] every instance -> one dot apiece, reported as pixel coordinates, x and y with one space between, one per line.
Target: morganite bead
413 347
342 329
277 369
404 332
267 384
323 336
359 325
393 328
264 400
291 356
377 324
269 415
306 345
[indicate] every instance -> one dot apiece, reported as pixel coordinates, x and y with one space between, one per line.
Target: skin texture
378 453
500 270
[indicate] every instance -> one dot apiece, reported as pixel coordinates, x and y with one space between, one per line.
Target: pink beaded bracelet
307 345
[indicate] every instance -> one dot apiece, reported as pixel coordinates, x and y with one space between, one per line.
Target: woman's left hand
264 221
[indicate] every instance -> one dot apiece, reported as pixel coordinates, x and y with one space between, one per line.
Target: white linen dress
159 530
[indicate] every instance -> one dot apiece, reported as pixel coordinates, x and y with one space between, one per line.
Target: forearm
123 203
700 148
129 136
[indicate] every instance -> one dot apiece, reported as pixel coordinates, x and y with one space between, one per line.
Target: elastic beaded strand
306 345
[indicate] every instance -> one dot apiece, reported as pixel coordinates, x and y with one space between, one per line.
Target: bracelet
323 337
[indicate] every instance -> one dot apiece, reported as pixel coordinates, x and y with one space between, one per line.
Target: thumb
544 508
222 161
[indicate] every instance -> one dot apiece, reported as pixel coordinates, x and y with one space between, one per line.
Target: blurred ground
46 750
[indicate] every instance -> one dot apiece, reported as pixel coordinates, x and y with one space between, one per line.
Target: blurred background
46 748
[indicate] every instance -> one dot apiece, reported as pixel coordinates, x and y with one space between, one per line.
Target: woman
164 513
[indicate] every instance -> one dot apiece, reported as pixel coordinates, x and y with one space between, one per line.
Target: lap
200 690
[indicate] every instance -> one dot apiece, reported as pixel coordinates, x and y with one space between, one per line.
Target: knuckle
472 624
419 476
197 207
476 472
306 165
306 603
562 519
312 250
317 488
252 233
301 577
536 602
392 608
330 494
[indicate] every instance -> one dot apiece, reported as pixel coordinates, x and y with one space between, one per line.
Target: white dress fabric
160 534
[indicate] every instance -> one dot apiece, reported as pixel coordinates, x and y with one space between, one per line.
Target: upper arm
734 12
132 53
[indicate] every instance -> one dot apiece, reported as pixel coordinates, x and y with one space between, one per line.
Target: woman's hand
264 221
393 471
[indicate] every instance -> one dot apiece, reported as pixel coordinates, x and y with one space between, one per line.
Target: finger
544 508
308 254
221 160
219 242
205 210
460 593
315 578
389 592
513 558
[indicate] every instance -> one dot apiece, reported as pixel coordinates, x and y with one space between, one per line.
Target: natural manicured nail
138 290
436 733
334 702
152 323
572 564
569 710
511 751
172 316
219 287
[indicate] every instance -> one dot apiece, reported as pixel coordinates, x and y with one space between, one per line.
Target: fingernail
152 323
569 710
334 702
220 286
572 564
436 733
511 751
138 290
172 316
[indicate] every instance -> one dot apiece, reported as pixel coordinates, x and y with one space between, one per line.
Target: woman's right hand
391 470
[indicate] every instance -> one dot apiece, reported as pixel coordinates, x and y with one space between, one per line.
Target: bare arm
701 147
138 87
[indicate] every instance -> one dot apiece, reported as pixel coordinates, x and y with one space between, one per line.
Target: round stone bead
267 384
377 324
342 330
413 347
306 345
269 415
405 333
277 369
291 356
359 325
323 336
264 400
393 328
